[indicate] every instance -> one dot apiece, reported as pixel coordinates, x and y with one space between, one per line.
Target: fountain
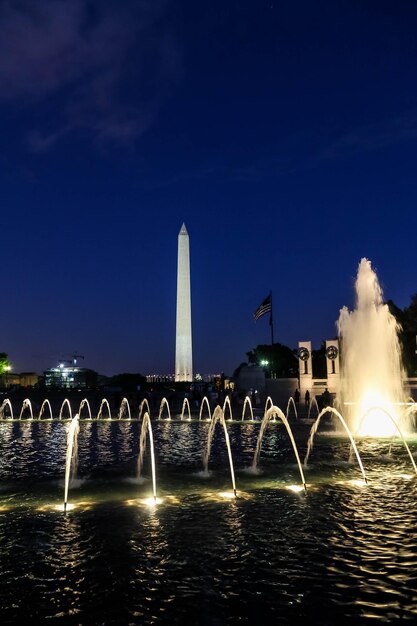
26 405
218 417
204 403
65 403
227 405
313 432
147 427
45 403
204 555
248 403
164 402
4 404
270 414
372 374
396 427
104 403
312 403
186 405
71 458
143 404
291 402
84 403
199 534
268 404
124 409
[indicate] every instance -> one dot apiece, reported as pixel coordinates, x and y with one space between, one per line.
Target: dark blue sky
284 135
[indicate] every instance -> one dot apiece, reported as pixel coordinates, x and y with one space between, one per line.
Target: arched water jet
147 427
5 403
164 402
66 402
276 411
247 402
71 459
289 403
205 402
313 402
84 403
26 405
142 404
268 404
186 404
104 403
44 404
397 429
330 409
227 403
124 408
218 416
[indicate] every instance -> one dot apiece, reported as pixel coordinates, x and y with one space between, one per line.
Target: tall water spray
71 458
372 373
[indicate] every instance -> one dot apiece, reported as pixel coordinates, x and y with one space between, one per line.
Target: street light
264 363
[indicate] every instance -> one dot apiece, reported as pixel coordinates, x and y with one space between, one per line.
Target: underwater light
377 417
357 482
65 507
219 496
85 505
152 501
228 495
295 488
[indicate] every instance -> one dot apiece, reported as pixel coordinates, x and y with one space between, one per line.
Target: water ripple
343 552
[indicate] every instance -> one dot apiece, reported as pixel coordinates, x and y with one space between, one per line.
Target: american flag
263 308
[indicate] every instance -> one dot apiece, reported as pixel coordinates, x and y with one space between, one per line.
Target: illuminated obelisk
183 343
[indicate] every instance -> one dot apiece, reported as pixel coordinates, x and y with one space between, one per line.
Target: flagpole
271 322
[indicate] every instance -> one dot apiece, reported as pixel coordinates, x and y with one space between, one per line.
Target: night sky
284 135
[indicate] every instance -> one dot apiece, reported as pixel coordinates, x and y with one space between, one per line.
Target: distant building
160 378
13 379
70 377
28 379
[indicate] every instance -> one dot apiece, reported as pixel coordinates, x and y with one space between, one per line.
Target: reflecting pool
344 553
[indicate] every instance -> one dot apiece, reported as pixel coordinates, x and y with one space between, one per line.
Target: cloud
42 142
301 151
92 64
253 172
372 137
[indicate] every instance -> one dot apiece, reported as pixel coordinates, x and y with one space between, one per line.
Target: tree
277 359
128 382
407 320
5 364
5 367
408 336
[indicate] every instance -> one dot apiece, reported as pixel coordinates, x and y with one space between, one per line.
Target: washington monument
183 343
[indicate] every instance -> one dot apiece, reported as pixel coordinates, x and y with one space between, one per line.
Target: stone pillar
333 365
305 364
183 343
